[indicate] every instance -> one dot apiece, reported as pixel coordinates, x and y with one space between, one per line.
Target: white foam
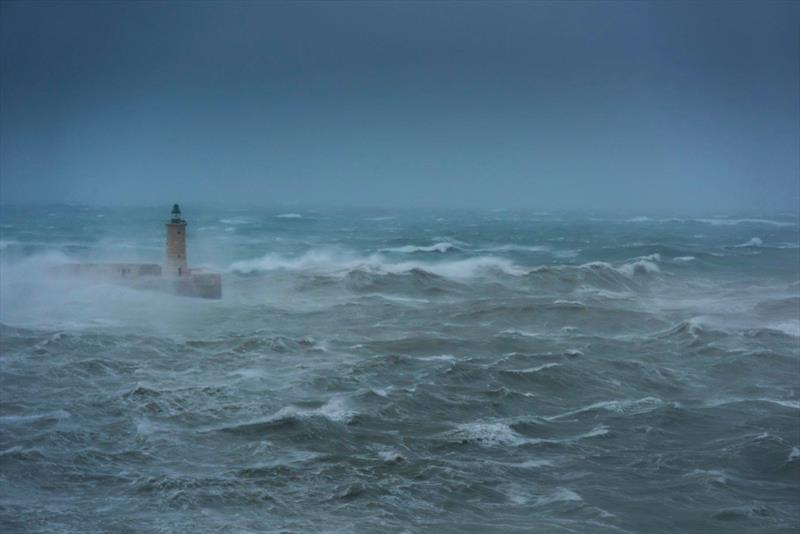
339 262
684 258
712 221
532 464
572 303
501 434
537 369
713 474
791 328
516 248
490 434
786 403
289 216
438 358
730 222
559 495
625 407
754 242
410 249
335 409
601 430
641 266
391 456
236 220
18 419
512 332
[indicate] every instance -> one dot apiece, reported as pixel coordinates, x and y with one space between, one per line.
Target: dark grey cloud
662 106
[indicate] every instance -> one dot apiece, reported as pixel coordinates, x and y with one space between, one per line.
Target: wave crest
338 263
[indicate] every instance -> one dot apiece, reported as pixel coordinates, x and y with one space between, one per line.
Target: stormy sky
569 105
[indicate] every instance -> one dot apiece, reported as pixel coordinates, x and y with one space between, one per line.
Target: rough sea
403 371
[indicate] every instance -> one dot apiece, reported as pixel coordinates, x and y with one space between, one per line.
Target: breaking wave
754 242
331 262
410 249
713 221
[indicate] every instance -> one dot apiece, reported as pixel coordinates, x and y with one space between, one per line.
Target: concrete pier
174 277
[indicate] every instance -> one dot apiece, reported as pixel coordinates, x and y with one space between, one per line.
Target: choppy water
381 371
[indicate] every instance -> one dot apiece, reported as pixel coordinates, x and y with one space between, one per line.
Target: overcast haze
639 106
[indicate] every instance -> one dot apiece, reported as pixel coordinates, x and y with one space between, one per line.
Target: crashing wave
622 407
338 263
492 434
410 249
335 410
754 242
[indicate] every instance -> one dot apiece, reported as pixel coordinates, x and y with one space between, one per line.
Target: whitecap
730 222
235 220
289 216
754 242
572 303
511 247
712 474
16 419
410 249
790 328
646 265
340 262
490 434
559 495
786 403
335 410
624 407
438 358
712 221
391 456
512 332
536 369
684 258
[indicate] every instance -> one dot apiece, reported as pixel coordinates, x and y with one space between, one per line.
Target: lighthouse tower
175 261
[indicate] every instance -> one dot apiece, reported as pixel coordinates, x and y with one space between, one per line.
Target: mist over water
572 307
380 370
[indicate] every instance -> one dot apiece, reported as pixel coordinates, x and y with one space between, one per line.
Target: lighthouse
175 260
174 276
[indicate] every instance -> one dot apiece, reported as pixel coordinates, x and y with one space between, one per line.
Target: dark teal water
380 371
